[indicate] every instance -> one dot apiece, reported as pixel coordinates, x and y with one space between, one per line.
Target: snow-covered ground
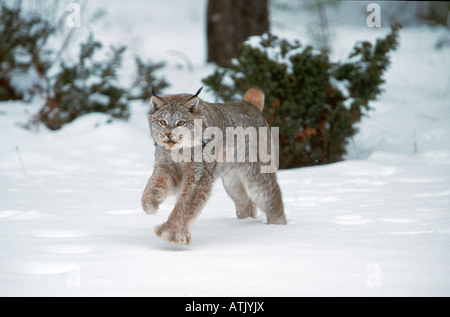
377 224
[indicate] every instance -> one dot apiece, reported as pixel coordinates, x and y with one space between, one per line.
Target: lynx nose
168 135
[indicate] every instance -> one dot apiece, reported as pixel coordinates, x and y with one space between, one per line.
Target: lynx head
172 120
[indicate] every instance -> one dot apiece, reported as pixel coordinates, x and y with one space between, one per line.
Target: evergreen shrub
71 89
89 85
315 102
24 57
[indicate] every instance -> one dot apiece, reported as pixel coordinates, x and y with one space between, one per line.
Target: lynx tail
255 96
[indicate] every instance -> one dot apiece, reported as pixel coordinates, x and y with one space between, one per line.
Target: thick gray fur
192 181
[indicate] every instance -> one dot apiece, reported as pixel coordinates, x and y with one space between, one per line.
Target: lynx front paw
151 198
149 206
169 234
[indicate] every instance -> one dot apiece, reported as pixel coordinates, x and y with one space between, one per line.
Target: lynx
192 180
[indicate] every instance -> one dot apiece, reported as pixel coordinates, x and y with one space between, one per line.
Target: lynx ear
193 102
156 101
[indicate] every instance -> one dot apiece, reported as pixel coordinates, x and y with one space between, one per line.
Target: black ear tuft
198 92
193 102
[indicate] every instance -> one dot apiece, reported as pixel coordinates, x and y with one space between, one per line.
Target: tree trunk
231 22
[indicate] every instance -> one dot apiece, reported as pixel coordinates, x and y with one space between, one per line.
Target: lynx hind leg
263 189
245 207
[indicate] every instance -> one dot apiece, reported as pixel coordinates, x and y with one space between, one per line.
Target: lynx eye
181 123
163 123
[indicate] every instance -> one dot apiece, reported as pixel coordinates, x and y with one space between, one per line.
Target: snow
24 83
376 224
99 98
275 53
343 86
